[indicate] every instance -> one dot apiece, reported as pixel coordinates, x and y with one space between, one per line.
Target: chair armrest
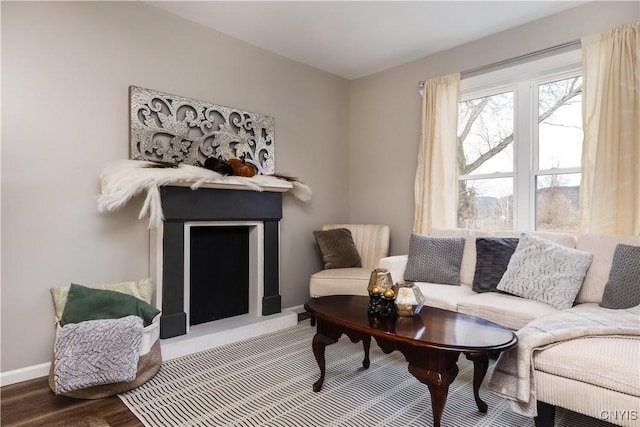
396 266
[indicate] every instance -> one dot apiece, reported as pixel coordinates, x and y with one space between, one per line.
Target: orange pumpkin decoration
241 168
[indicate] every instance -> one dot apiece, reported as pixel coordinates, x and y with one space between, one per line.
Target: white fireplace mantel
123 179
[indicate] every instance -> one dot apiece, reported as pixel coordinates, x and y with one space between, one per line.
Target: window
520 146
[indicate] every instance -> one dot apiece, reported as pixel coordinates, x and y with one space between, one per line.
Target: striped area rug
266 381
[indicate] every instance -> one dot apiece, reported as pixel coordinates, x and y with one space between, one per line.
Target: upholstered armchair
372 244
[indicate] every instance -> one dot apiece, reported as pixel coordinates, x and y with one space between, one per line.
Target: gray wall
385 109
66 69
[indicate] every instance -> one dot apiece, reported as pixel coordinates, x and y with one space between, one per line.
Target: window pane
560 123
486 203
557 202
485 134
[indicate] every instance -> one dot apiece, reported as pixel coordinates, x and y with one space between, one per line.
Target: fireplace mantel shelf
123 179
276 185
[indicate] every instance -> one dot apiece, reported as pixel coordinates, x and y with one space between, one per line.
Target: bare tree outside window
557 202
485 146
486 158
559 154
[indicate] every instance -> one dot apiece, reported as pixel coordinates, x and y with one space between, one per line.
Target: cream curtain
436 185
610 188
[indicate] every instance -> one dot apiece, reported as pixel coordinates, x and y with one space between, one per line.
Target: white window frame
523 80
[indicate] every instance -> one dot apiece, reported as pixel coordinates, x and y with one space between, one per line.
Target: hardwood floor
32 403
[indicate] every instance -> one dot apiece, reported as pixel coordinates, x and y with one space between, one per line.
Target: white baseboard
24 374
296 309
173 347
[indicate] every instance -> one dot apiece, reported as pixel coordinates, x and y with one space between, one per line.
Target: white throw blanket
513 376
124 179
95 352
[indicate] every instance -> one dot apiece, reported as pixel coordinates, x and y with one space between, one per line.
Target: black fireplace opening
219 273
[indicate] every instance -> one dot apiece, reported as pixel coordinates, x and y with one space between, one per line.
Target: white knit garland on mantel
125 179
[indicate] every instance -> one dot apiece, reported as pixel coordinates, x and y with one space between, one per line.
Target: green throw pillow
142 289
92 304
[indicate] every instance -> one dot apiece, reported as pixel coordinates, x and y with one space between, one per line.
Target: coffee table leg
319 343
438 383
480 366
366 343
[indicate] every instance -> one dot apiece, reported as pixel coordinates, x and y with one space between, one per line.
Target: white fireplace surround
256 261
207 335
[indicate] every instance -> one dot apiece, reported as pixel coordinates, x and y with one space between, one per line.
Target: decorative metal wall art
174 129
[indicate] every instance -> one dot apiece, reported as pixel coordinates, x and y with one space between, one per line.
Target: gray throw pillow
545 271
492 258
434 259
338 248
623 287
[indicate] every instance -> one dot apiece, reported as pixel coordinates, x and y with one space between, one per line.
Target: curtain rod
504 62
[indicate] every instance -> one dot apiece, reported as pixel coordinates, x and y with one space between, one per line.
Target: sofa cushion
339 281
609 362
337 248
545 271
602 246
507 310
492 258
434 259
446 297
563 239
584 398
623 287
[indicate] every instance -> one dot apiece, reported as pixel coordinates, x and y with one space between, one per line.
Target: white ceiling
356 38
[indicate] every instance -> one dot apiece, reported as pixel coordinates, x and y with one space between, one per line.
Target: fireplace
216 256
220 270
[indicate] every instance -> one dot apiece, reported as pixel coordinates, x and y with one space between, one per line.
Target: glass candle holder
379 281
409 299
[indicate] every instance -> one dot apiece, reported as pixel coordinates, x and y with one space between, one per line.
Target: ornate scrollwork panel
174 129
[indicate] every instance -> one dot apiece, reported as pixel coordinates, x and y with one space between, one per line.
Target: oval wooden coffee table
431 342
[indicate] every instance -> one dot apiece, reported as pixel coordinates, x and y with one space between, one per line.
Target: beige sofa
596 376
